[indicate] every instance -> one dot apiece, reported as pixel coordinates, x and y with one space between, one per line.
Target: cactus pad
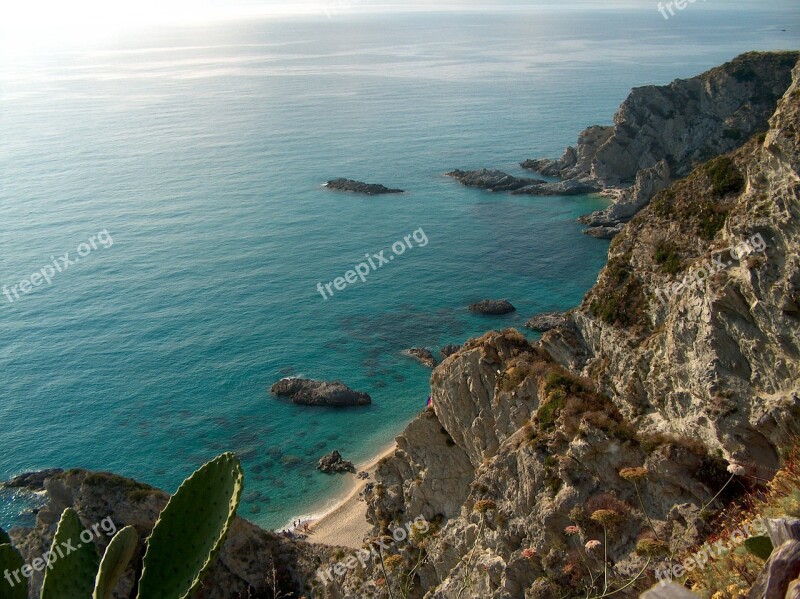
116 559
191 529
10 563
4 538
759 546
73 562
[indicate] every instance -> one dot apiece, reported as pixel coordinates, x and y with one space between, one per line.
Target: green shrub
725 176
549 411
667 256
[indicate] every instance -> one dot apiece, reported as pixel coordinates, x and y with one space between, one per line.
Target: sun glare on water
26 24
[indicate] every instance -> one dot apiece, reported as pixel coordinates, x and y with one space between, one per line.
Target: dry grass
729 576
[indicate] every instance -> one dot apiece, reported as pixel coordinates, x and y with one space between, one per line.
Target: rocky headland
659 134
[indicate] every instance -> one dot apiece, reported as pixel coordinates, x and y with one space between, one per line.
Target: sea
162 203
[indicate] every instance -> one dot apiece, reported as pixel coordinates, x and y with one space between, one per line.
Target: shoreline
344 523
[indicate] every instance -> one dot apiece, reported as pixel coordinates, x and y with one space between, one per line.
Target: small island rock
371 189
493 307
334 463
319 393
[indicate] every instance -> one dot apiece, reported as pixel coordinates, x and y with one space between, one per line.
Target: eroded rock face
661 132
546 321
241 571
780 570
428 475
544 431
319 393
449 349
360 187
535 473
716 360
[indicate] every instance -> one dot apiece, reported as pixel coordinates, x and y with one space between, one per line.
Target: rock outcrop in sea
319 393
495 180
360 187
335 463
422 355
492 307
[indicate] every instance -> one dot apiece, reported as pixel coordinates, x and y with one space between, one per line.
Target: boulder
604 232
493 307
334 463
781 569
668 591
781 530
319 393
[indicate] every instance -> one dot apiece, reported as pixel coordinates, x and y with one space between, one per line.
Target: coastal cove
154 355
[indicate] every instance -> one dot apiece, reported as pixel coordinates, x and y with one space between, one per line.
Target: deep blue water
202 152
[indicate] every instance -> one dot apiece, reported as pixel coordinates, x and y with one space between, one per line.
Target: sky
30 21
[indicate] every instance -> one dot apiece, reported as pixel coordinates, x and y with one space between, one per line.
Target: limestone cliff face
718 360
680 124
678 388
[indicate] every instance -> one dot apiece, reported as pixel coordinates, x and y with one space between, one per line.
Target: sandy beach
346 523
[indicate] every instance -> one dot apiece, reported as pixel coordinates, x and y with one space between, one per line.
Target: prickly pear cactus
4 538
116 559
72 563
759 546
191 530
11 586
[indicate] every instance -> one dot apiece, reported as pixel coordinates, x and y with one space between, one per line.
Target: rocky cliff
661 132
569 467
616 431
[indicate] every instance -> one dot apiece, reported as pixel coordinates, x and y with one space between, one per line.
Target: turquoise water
201 151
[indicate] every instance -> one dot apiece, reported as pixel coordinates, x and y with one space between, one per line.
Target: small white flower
736 469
